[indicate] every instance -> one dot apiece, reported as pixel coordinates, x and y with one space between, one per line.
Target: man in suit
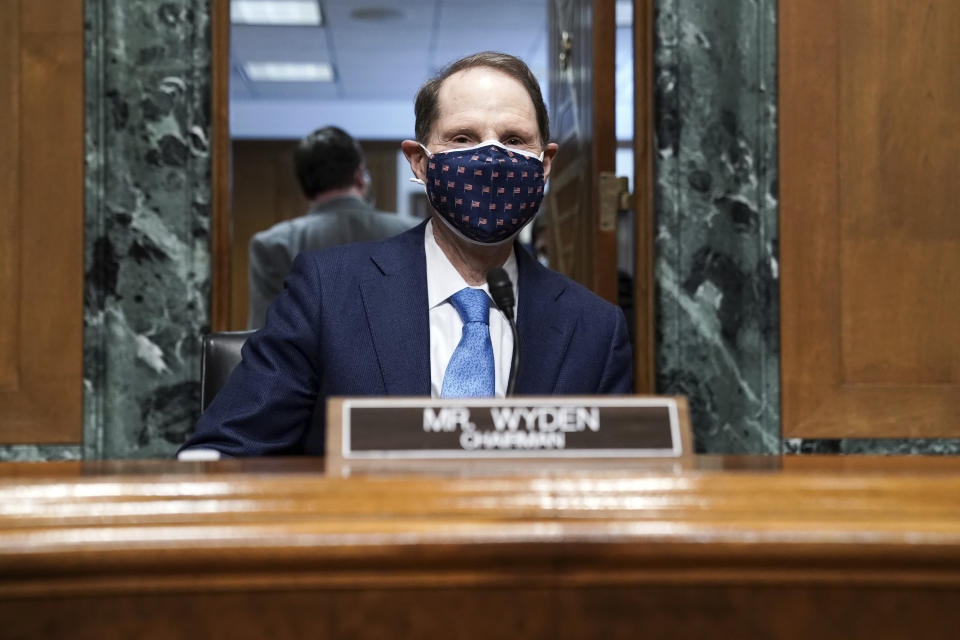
330 169
410 315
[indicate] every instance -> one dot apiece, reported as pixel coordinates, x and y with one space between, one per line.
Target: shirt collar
443 279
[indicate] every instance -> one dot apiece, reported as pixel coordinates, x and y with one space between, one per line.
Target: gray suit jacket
333 222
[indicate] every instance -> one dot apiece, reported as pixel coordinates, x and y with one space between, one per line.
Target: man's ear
548 153
360 178
417 158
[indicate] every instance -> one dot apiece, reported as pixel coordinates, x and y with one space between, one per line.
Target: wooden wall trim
220 167
603 106
10 196
644 351
809 197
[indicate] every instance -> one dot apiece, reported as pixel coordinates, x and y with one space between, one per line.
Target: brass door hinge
614 197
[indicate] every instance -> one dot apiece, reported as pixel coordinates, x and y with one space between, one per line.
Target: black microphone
501 290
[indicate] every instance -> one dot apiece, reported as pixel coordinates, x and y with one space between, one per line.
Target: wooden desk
740 548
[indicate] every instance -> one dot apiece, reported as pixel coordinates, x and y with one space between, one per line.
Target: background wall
861 69
147 203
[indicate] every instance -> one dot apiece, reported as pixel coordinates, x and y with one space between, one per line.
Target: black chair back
221 353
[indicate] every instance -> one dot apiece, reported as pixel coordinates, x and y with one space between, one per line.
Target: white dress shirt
446 327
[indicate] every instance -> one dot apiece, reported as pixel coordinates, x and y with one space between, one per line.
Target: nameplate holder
410 433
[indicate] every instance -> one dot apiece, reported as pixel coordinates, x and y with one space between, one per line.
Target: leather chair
221 353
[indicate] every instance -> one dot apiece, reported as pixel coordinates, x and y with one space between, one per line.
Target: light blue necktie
470 372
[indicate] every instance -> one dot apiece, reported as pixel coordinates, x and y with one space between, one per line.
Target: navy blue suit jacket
353 321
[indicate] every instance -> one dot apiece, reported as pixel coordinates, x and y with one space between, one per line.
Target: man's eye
461 139
514 141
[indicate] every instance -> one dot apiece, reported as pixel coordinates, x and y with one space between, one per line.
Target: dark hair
326 159
426 108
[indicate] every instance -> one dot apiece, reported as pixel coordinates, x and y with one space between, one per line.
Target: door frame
220 239
644 352
643 180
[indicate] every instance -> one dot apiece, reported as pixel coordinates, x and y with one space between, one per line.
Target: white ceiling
378 64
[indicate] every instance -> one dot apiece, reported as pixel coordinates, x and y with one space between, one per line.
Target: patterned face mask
485 193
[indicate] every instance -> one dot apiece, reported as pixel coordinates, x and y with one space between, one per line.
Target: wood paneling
381 161
50 16
42 276
833 548
870 232
489 613
645 349
9 193
265 192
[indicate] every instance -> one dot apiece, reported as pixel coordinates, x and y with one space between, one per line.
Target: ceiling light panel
276 12
288 71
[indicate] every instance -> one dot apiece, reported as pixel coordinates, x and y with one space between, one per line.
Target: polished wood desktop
798 547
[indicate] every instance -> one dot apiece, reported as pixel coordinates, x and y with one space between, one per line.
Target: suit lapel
544 323
395 302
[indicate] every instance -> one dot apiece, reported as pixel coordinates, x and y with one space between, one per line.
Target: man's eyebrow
461 130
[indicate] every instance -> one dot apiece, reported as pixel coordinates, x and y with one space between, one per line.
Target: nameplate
541 428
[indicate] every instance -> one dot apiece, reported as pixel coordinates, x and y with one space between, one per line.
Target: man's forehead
482 89
467 83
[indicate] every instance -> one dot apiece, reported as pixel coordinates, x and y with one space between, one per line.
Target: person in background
331 172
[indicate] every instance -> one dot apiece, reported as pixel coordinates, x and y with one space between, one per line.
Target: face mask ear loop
429 155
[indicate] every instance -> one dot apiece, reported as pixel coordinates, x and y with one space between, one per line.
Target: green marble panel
147 280
716 219
873 446
35 452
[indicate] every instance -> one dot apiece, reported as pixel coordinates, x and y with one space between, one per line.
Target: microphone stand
515 360
501 290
